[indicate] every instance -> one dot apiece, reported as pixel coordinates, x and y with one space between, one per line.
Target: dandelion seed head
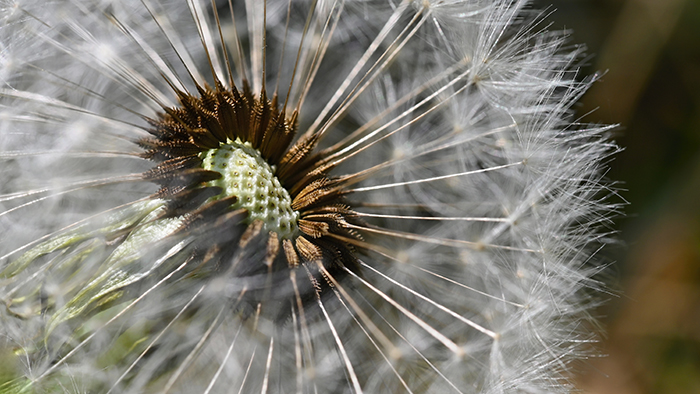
295 196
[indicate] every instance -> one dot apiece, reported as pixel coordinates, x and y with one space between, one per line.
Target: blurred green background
651 52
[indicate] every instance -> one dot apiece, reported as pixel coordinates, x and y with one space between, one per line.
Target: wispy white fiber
481 195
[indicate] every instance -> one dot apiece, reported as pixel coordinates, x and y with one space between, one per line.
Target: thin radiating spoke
386 342
299 62
82 185
156 60
432 179
418 352
320 51
382 62
173 39
268 364
458 243
357 147
156 338
306 337
357 311
360 64
280 66
393 107
56 103
247 370
469 288
341 349
224 361
297 352
392 256
449 344
428 149
9 155
443 308
374 72
193 353
207 39
90 184
434 218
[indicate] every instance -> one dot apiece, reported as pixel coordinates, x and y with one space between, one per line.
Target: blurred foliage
649 51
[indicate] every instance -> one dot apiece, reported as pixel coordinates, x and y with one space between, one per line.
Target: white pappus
282 196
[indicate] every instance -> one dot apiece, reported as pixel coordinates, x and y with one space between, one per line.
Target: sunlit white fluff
483 211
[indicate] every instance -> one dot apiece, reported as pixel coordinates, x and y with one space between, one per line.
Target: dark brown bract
227 239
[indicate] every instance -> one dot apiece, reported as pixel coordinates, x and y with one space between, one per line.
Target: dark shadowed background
651 52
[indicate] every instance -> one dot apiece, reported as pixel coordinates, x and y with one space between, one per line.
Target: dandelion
376 196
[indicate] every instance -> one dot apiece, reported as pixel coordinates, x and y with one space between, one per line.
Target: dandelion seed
293 197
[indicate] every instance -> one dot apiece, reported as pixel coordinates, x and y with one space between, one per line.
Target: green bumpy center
246 175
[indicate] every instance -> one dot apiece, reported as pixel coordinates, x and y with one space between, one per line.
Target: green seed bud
246 175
